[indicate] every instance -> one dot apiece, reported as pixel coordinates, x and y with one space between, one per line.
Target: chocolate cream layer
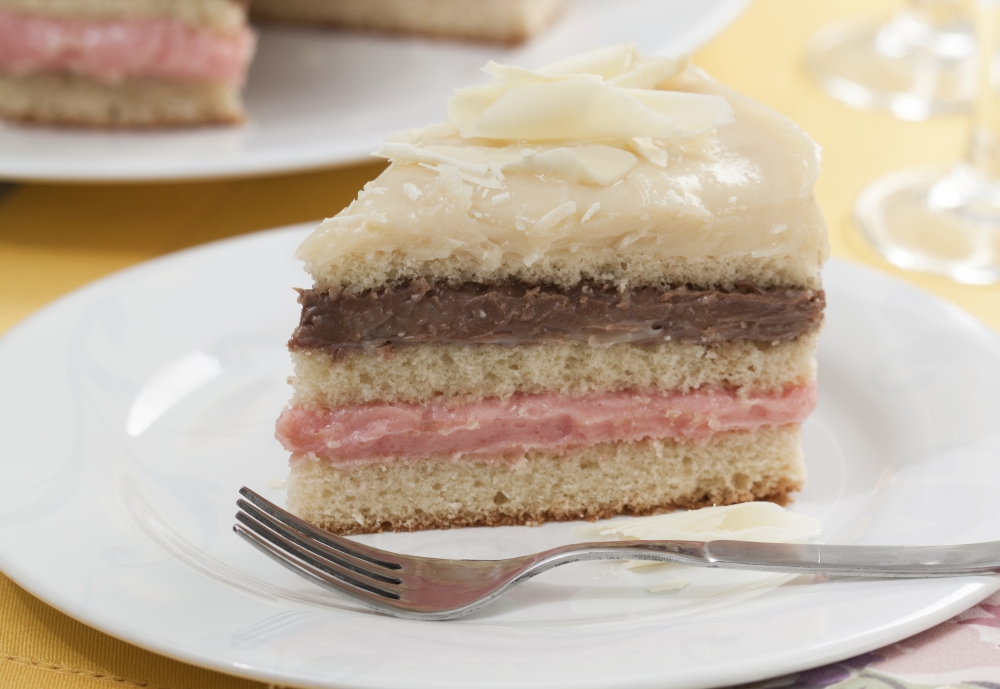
421 312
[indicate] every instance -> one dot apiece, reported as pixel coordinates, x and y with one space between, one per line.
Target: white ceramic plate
132 410
318 97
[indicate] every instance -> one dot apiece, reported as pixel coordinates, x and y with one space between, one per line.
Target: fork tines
327 559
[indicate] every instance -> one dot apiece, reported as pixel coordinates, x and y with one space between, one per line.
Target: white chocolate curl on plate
748 521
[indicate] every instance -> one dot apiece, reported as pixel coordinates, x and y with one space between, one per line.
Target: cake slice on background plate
123 63
595 290
495 21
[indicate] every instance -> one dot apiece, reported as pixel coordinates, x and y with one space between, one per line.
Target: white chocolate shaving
652 73
671 585
483 171
648 149
621 65
588 164
607 63
606 94
416 136
412 192
585 108
485 166
555 216
590 212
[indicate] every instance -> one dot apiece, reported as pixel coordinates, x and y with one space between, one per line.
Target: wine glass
947 220
919 64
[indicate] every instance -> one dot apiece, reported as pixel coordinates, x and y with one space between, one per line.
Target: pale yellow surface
54 238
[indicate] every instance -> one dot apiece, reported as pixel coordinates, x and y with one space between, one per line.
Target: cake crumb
671 585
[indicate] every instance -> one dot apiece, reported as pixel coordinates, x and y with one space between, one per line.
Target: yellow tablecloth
54 238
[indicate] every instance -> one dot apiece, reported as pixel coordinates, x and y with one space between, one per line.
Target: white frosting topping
606 150
607 96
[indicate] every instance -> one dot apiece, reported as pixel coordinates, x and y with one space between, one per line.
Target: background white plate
132 410
319 97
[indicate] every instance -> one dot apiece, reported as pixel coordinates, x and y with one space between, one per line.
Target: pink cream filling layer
550 422
111 51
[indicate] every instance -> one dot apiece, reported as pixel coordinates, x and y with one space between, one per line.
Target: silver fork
426 588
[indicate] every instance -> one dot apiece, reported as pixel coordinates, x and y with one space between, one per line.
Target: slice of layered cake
123 63
496 21
595 290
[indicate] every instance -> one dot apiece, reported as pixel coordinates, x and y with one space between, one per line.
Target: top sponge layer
606 167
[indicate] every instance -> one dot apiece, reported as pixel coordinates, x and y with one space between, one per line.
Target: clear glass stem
918 64
936 13
984 140
973 187
929 30
947 221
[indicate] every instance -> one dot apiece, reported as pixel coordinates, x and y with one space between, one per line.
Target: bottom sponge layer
596 482
78 100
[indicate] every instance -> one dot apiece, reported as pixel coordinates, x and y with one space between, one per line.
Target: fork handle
841 560
858 560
